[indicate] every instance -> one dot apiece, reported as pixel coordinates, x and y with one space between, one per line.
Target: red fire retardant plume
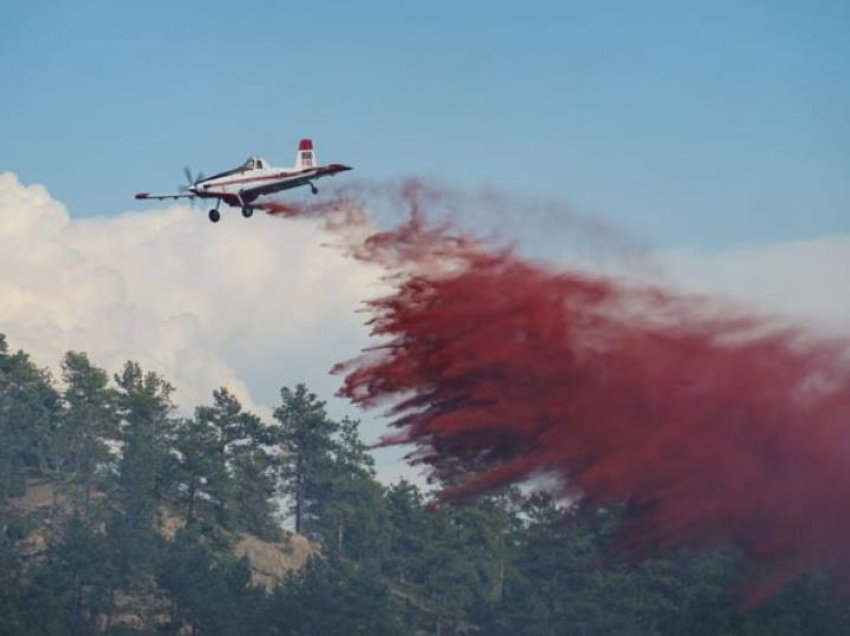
720 428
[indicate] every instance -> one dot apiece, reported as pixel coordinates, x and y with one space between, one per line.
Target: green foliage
200 467
389 562
209 592
12 619
71 592
305 437
333 597
88 427
351 520
241 472
253 491
28 410
147 469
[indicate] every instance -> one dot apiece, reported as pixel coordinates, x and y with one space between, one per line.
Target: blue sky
698 124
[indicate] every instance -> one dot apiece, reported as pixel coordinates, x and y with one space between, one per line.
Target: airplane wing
277 186
148 195
296 181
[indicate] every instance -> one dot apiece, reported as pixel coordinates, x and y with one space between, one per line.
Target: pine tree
88 427
199 464
210 593
353 521
243 483
12 619
305 437
254 488
28 408
407 533
147 470
333 597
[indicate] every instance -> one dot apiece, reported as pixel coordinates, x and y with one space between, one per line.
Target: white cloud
805 280
253 303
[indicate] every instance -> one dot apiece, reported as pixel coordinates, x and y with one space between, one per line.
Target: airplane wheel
314 189
247 211
214 215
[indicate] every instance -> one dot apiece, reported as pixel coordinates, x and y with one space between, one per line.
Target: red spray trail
720 428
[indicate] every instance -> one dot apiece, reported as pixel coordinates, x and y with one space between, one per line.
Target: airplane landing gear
214 215
247 211
314 189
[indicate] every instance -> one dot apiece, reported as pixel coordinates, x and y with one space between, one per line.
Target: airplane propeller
190 180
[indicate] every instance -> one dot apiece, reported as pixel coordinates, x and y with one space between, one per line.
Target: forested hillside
118 516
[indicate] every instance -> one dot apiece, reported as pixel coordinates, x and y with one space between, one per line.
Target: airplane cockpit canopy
254 163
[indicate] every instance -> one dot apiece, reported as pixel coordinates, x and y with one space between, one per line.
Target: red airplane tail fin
306 157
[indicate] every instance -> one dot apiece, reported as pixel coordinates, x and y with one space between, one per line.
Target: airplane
240 186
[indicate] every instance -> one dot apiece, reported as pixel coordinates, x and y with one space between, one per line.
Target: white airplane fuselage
242 185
